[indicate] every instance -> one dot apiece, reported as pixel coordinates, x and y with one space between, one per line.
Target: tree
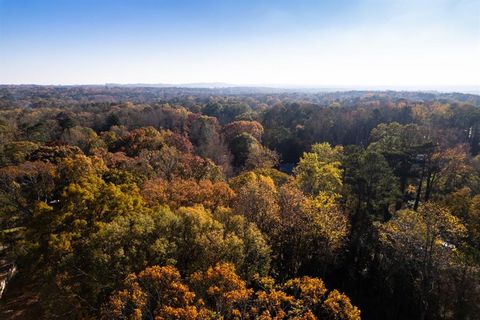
164 163
204 133
156 292
249 154
260 157
147 138
279 178
408 149
54 154
233 129
319 170
424 243
160 292
473 221
22 188
338 306
312 232
370 182
65 120
16 152
454 171
84 138
256 201
326 233
222 290
201 241
182 193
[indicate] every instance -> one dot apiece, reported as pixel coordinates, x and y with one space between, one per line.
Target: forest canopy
239 203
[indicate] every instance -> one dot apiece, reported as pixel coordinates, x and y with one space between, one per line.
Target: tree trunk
419 189
403 184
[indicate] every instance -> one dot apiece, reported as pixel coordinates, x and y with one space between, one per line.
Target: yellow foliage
319 170
337 306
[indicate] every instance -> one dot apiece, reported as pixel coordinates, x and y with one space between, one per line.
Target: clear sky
269 42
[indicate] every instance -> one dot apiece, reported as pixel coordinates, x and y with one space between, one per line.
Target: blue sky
269 42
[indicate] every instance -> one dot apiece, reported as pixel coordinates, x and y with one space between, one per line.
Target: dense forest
238 203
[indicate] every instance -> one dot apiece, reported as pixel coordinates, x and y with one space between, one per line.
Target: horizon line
470 89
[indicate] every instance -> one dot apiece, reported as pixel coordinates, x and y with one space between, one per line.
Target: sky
333 43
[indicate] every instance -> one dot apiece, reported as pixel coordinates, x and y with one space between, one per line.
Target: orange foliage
183 193
160 293
235 128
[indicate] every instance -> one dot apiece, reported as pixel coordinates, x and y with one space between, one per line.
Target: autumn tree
181 193
248 153
204 133
22 188
256 200
17 152
313 232
423 242
84 138
473 221
160 292
454 171
233 129
319 170
156 292
147 138
326 233
201 241
222 290
338 306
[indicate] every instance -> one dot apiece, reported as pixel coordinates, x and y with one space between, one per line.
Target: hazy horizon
287 87
422 44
